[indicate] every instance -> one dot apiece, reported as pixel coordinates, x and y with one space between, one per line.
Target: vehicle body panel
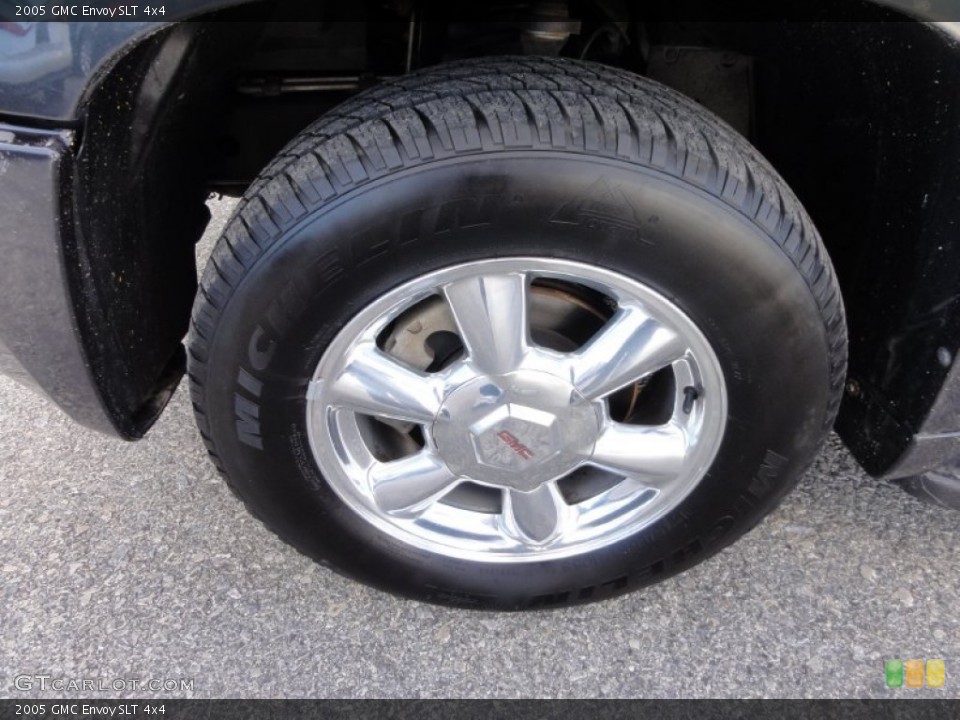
39 344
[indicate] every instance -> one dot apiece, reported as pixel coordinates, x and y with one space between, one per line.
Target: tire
543 168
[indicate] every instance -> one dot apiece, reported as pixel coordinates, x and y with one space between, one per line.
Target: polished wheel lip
661 465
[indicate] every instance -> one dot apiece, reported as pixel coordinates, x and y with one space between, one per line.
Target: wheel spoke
491 314
538 516
650 454
410 485
372 382
631 346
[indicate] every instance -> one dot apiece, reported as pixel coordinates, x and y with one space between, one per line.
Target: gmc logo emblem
518 447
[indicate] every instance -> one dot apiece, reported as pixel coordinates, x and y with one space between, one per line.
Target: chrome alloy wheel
464 414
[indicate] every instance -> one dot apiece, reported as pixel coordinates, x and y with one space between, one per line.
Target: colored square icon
914 673
894 670
936 673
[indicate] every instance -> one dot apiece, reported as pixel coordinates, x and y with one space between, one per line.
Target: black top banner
475 10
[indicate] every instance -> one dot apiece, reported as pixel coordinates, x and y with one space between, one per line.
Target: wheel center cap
515 431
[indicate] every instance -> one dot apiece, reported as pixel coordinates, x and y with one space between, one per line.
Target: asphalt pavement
132 561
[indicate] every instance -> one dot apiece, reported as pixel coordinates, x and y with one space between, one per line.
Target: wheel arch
138 189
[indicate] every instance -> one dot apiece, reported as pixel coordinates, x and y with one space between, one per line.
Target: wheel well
865 139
